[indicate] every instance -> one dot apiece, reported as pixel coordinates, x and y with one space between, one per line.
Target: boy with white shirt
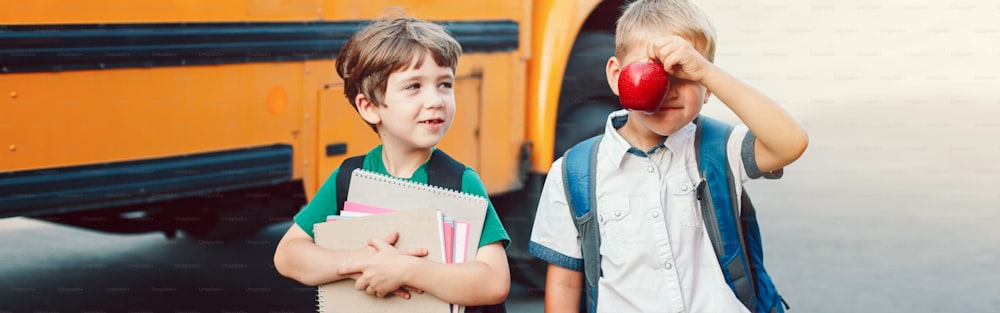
655 255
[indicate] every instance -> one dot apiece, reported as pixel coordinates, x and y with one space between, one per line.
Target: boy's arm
562 290
780 139
298 257
483 281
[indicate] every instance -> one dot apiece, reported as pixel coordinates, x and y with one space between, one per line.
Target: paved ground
52 268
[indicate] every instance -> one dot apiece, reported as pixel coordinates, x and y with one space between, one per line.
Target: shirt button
656 214
668 265
618 213
684 187
649 169
600 218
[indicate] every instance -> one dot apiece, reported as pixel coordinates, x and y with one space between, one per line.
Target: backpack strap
721 214
579 180
442 171
344 177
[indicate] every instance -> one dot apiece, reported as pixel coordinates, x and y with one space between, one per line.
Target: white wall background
894 205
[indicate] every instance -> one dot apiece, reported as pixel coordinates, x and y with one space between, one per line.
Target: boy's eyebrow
417 77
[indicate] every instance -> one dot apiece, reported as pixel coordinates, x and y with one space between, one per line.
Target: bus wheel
586 99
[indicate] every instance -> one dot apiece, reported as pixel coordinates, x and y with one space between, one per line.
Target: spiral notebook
379 190
403 196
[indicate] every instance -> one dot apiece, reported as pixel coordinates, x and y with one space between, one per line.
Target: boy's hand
680 59
391 238
381 274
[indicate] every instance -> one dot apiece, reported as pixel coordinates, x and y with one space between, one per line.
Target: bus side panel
426 9
502 123
552 36
84 117
128 11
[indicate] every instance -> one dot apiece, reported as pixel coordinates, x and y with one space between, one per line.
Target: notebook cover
383 191
418 228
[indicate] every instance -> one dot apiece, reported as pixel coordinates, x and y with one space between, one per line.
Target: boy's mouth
433 121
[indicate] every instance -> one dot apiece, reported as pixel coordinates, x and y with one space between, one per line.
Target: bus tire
586 99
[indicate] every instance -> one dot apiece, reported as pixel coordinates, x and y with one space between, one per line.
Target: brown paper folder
418 228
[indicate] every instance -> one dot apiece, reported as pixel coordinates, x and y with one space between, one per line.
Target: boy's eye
413 86
446 85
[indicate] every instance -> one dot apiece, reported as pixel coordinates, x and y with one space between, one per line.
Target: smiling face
680 105
419 105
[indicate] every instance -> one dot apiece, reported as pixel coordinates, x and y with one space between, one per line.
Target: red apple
642 85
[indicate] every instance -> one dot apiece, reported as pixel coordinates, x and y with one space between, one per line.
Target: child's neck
639 137
403 162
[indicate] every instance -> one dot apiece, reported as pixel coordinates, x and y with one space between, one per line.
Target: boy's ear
613 70
708 94
367 109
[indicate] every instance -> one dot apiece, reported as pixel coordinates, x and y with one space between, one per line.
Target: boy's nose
434 100
672 89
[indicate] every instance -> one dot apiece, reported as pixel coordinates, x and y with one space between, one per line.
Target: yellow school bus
222 116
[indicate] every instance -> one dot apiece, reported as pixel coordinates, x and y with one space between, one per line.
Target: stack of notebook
446 222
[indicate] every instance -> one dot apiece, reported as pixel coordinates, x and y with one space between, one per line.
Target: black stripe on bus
75 188
42 48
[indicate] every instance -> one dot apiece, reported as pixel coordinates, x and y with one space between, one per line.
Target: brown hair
388 45
643 18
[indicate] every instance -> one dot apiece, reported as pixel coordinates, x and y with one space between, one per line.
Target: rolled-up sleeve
554 237
743 140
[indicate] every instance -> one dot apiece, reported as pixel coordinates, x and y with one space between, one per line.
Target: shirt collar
618 148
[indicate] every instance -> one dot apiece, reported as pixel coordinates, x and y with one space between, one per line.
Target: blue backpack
734 234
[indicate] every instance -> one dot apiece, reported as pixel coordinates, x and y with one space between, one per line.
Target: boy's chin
663 125
428 143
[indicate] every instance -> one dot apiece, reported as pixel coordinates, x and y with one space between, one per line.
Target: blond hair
643 18
388 45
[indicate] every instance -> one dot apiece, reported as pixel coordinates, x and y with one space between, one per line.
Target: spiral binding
320 302
416 185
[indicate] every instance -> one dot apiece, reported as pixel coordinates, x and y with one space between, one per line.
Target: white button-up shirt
656 255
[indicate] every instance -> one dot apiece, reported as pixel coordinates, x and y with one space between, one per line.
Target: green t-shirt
324 203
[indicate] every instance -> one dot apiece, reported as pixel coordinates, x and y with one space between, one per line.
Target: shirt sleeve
745 162
493 230
323 204
554 234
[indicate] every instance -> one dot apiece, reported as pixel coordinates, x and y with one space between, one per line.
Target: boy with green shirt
398 74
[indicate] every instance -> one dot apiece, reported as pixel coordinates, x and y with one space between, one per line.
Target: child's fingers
379 244
362 285
417 252
402 293
659 48
413 289
391 238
